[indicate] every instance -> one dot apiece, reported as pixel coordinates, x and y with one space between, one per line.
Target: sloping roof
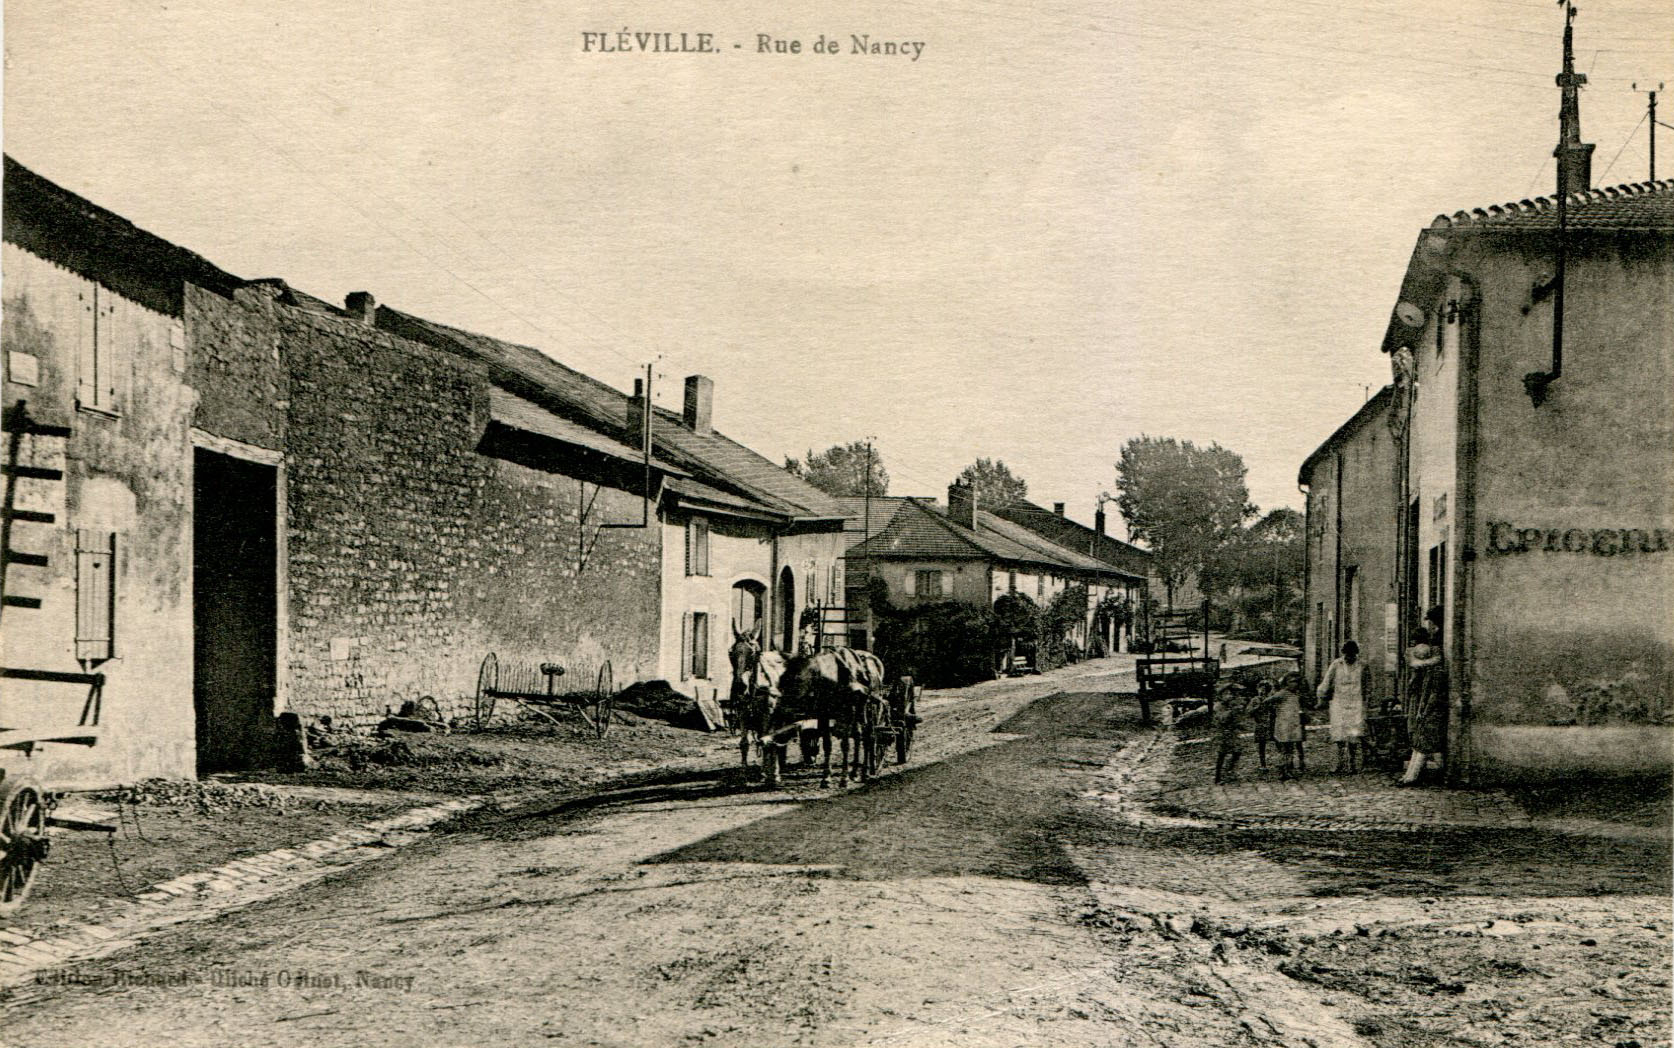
1075 536
53 223
509 409
919 529
855 518
1043 546
1641 210
1368 411
721 464
1640 205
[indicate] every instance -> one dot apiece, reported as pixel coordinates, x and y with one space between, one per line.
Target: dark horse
832 687
755 688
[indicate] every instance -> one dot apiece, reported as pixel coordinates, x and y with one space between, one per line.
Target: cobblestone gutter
206 893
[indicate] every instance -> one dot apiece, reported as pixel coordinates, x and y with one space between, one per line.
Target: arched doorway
787 611
749 601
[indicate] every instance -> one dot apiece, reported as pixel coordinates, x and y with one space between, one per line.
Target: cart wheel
604 700
23 840
488 681
909 724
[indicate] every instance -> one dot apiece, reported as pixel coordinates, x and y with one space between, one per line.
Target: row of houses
228 500
1515 474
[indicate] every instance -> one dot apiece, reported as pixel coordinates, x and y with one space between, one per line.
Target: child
1287 724
1228 725
1261 719
1345 684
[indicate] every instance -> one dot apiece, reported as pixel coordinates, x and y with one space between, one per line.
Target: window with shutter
95 595
98 356
685 645
697 546
700 645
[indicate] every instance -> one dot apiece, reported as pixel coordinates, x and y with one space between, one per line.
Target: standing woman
1427 699
1345 683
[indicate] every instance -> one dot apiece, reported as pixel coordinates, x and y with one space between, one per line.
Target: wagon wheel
604 700
909 724
23 840
872 736
488 681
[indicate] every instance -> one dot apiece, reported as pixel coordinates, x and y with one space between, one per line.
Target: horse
755 687
831 687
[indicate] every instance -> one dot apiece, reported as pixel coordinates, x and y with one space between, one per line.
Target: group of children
1275 715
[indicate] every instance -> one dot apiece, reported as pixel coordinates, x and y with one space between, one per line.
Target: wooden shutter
685 645
912 583
95 594
108 350
700 645
700 557
87 364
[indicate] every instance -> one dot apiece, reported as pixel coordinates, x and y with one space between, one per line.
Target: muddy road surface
981 895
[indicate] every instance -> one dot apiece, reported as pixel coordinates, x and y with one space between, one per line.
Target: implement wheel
488 680
23 840
604 700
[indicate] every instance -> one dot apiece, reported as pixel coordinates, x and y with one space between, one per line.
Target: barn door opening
787 612
235 609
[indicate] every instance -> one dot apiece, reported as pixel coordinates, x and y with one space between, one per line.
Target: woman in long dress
1345 683
1427 699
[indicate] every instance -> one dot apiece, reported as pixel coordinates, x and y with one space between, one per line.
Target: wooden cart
1174 670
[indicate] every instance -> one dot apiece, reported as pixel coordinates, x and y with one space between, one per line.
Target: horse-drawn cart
26 804
593 698
1173 670
890 721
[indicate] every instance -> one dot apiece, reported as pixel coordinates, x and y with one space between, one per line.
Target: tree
842 469
994 482
1184 502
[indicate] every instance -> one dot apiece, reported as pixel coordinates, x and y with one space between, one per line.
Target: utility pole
1652 91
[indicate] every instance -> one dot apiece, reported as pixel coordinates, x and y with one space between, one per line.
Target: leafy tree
1184 502
995 483
1266 563
842 469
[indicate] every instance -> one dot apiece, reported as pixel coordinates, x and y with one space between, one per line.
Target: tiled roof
919 529
509 409
1108 550
1641 205
713 459
883 510
53 223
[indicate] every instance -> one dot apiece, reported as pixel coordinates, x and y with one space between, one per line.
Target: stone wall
411 552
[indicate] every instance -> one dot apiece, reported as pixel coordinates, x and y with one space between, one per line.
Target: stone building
95 595
1532 349
1350 578
269 504
923 552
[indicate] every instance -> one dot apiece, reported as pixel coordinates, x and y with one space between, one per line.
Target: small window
1011 582
1040 585
699 645
927 584
95 595
697 546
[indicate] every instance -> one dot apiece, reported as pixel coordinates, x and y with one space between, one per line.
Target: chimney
961 504
1575 157
635 421
362 306
1098 521
700 403
1058 508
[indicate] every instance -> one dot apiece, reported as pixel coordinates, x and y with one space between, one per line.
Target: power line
1625 142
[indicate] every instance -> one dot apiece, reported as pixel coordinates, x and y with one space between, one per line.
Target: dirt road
976 897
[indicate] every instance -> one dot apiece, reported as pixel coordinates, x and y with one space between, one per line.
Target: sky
1064 225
